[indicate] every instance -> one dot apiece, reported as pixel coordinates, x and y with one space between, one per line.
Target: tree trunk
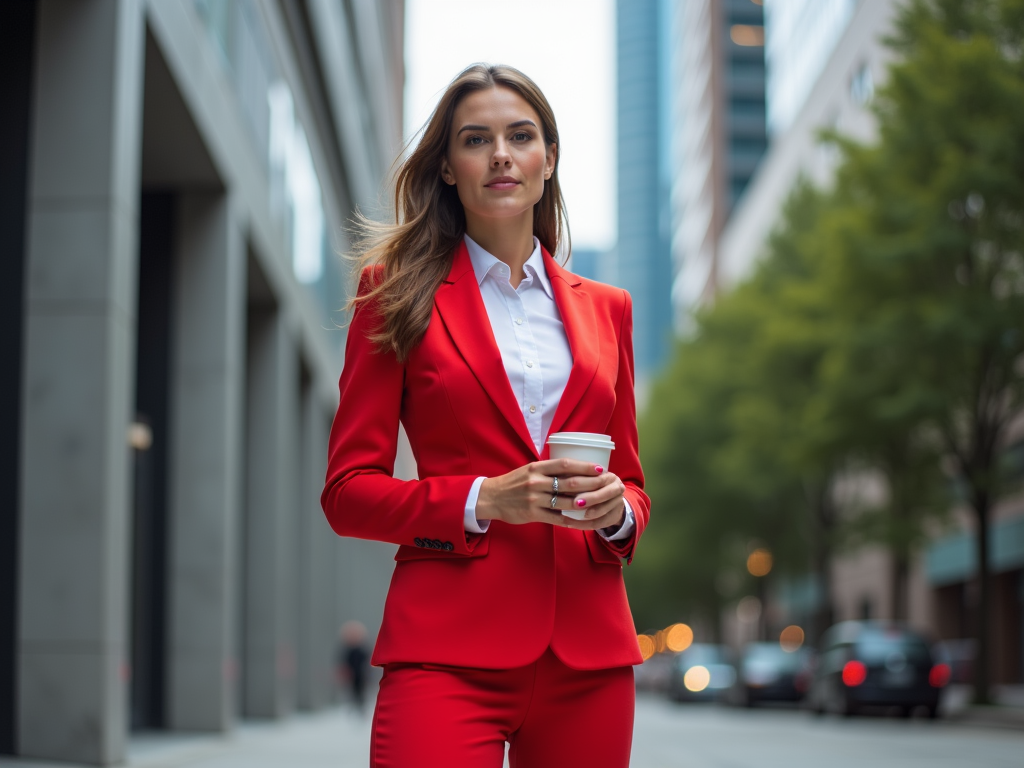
983 618
900 586
821 564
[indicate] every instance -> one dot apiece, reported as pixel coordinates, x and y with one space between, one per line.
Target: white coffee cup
584 446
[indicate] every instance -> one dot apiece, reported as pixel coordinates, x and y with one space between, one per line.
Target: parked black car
702 672
876 664
768 672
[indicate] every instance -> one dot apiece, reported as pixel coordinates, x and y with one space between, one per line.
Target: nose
501 155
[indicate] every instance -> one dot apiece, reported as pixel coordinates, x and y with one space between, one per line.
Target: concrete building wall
171 561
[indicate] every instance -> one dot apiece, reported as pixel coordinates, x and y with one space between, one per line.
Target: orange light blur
791 638
747 35
646 646
759 563
678 637
659 641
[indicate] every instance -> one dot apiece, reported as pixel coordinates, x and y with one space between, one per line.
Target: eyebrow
516 124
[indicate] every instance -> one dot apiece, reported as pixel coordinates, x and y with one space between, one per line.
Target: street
701 736
667 736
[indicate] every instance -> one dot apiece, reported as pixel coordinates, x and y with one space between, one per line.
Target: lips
502 182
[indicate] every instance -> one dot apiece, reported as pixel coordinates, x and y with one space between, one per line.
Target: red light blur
939 675
854 673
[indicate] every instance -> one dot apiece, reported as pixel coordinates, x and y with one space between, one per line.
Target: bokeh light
646 646
696 679
791 638
659 641
678 637
759 562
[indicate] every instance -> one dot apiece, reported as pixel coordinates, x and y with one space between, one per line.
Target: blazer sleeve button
418 542
448 546
437 544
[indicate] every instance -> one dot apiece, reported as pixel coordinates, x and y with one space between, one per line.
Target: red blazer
495 600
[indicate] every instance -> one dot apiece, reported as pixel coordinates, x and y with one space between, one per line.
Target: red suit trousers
433 716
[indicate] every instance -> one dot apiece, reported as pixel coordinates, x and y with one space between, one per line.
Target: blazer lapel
577 310
462 309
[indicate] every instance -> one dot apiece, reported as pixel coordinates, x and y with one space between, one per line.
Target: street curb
990 716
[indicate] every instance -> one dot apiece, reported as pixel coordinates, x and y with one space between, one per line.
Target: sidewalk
1007 712
335 738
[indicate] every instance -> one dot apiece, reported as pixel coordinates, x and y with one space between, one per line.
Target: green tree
930 252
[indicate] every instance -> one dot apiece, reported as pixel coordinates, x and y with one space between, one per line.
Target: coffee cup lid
589 439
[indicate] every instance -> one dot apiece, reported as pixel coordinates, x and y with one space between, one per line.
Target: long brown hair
416 251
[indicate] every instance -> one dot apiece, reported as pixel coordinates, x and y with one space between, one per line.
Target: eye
521 136
475 141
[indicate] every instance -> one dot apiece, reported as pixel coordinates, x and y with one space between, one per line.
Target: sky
567 47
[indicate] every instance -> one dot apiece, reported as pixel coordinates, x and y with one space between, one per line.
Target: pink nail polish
598 468
581 503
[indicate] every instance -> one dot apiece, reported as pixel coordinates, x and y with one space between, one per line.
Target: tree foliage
882 331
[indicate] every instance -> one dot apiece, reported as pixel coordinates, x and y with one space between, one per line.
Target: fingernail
581 503
598 468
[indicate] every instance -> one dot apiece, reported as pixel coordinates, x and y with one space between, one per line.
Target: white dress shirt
534 349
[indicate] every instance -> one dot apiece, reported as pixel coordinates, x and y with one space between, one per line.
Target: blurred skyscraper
641 263
718 133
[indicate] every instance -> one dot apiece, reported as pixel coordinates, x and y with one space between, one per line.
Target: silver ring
554 501
554 485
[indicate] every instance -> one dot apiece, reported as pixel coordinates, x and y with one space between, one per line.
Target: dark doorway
150 447
17 38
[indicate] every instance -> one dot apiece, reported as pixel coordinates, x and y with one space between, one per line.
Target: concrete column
207 397
271 514
78 380
316 638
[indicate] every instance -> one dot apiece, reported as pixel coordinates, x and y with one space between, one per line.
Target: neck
509 240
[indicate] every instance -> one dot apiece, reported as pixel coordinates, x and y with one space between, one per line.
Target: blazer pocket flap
408 552
598 551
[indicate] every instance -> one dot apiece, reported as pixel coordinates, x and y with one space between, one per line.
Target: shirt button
533 409
519 321
529 363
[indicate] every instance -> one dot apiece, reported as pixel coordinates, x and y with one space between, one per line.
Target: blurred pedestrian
352 660
506 620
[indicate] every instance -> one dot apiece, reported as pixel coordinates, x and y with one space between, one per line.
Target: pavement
667 735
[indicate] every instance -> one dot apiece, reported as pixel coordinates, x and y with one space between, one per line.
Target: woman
505 620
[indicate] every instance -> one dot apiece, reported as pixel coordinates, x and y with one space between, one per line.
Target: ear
550 161
446 173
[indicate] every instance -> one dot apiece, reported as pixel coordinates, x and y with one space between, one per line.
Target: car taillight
854 673
939 675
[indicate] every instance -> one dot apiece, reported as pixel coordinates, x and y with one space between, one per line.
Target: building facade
718 134
177 179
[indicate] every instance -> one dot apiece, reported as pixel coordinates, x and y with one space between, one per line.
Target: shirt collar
484 262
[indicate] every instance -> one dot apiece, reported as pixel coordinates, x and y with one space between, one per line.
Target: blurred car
959 654
768 672
876 664
703 672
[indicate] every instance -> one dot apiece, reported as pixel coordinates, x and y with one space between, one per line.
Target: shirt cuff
469 521
625 530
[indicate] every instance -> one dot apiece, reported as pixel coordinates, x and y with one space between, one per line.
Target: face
497 158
